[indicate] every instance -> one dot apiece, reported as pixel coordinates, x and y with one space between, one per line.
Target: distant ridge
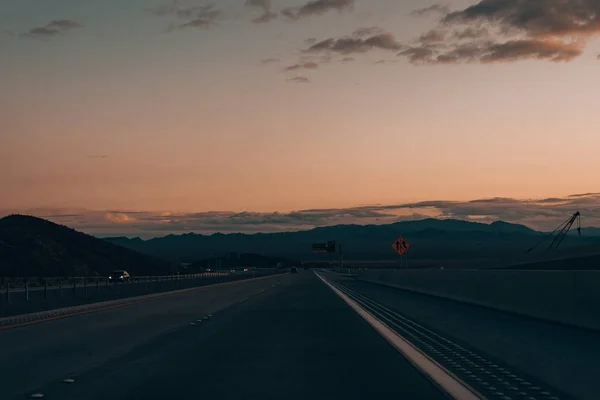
431 239
33 247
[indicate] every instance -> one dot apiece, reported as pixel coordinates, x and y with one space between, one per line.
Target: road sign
400 245
328 247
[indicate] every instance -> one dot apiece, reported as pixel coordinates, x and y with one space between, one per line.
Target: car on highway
119 275
293 270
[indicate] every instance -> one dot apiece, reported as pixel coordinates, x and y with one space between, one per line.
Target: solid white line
451 384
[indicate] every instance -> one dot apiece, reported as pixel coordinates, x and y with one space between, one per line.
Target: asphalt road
286 336
554 356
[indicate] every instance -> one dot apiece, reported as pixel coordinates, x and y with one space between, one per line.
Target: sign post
400 245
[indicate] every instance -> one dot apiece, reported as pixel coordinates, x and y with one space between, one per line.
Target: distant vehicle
119 275
245 269
293 270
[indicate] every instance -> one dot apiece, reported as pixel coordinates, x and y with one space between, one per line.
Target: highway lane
558 356
287 336
33 356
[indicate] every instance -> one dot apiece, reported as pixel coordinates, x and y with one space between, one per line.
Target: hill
431 239
33 247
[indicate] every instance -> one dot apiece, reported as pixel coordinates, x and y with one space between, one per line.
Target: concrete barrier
567 297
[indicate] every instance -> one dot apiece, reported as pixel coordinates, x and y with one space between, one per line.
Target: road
293 336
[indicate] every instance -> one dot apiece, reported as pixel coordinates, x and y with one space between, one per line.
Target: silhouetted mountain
430 239
33 247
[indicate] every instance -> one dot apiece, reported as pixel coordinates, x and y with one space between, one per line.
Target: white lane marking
69 380
451 384
37 396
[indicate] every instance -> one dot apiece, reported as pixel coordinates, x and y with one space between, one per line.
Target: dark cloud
513 30
304 65
269 61
205 17
348 45
542 214
433 36
368 31
265 17
490 51
317 7
299 79
471 33
534 17
431 10
264 4
200 17
54 28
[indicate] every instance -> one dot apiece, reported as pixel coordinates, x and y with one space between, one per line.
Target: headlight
121 277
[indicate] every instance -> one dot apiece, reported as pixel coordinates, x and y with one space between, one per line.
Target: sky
168 116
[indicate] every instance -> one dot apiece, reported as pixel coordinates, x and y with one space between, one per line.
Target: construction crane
562 230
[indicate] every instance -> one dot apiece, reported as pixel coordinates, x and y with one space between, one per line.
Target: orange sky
117 114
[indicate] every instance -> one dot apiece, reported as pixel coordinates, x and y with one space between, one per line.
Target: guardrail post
7 292
45 289
26 290
97 285
85 292
74 286
60 287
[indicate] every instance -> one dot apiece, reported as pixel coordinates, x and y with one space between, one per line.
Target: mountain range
430 239
31 247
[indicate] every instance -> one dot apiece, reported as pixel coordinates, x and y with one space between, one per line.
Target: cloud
204 18
433 9
556 18
53 28
317 7
98 156
304 65
433 36
542 214
349 45
299 79
269 61
199 17
368 31
490 51
265 17
264 4
511 30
